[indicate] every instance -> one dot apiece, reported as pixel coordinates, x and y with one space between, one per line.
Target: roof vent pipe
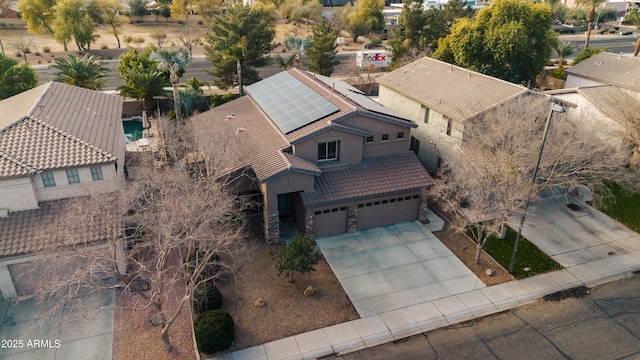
333 87
469 76
620 55
450 67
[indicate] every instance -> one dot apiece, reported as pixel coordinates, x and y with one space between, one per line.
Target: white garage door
330 220
389 210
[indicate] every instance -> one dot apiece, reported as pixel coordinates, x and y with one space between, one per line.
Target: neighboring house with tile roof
56 142
440 98
606 68
321 157
602 109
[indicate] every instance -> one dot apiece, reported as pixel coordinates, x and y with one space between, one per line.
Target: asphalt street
605 324
197 69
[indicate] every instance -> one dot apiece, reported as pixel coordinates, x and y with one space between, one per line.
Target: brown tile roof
36 145
448 89
609 68
63 126
236 135
22 232
374 176
258 143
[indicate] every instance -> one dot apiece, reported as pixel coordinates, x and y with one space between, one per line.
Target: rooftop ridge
324 87
37 104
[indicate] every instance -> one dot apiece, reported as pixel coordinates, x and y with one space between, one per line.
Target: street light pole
553 107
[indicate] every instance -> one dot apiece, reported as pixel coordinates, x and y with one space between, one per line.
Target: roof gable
609 68
36 145
456 92
57 126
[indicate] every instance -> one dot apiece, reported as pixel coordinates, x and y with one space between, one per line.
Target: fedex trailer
375 58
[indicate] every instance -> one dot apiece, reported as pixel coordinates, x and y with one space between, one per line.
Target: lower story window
415 145
48 180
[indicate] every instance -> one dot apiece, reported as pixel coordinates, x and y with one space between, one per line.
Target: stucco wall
377 128
112 181
287 183
350 149
574 81
435 143
17 194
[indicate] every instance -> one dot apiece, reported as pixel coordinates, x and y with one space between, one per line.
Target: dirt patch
287 311
465 249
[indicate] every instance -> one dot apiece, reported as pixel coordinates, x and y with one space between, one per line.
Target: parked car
622 33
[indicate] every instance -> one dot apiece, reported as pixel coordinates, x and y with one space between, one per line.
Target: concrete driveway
395 266
72 334
575 237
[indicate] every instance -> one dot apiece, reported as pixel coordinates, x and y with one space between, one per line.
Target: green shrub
37 53
587 53
3 24
27 50
214 330
207 297
558 73
104 47
200 22
18 54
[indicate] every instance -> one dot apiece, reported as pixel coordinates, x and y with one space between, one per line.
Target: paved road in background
197 69
614 43
602 325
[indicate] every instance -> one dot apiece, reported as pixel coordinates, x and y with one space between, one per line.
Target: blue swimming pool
132 130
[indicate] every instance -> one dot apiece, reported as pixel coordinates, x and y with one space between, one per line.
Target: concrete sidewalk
403 322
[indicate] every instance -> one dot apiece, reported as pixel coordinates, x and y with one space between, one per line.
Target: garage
388 210
330 220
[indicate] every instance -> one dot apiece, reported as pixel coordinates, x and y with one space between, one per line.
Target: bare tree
160 38
181 233
625 109
492 179
23 45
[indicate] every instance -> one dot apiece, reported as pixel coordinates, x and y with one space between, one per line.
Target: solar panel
288 102
357 96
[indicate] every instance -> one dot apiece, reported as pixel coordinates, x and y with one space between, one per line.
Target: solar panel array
357 96
288 102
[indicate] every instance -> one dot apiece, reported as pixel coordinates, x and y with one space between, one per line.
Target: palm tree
88 73
591 5
143 85
176 62
564 50
633 15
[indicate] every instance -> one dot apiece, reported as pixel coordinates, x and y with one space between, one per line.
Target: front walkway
395 266
404 322
86 332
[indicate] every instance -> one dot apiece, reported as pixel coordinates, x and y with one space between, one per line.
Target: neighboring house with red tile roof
322 157
56 142
441 98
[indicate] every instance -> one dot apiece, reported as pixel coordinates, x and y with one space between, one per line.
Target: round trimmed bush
207 297
214 331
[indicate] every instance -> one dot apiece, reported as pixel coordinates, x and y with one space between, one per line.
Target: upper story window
426 114
328 150
72 176
385 137
449 126
400 135
96 173
48 180
369 139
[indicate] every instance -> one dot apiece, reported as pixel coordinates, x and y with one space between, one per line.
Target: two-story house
441 98
322 156
606 68
56 142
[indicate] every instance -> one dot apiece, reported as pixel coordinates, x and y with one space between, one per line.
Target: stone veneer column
272 228
6 283
352 220
424 210
310 226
